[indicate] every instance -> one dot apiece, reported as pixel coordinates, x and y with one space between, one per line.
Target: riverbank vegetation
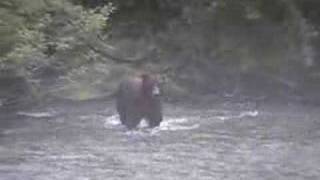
80 49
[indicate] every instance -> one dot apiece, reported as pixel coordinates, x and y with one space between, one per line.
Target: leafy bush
60 38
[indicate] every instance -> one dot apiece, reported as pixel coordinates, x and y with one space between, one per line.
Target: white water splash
37 114
254 113
179 127
169 124
143 124
243 114
138 132
223 118
112 121
175 124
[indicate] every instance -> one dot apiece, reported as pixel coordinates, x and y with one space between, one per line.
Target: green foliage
68 36
60 38
14 14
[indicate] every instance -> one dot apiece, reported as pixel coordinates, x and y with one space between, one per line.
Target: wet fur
135 101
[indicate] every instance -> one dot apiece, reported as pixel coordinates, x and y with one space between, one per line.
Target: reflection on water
208 143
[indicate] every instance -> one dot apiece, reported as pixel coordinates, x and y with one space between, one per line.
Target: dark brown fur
137 99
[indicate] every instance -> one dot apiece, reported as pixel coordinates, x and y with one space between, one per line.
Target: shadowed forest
204 49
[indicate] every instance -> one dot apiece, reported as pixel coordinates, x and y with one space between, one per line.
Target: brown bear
138 97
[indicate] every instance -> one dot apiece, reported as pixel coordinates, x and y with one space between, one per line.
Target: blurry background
79 50
240 80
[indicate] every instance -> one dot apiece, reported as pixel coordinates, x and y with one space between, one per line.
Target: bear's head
150 85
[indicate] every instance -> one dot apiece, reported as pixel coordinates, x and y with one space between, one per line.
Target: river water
214 142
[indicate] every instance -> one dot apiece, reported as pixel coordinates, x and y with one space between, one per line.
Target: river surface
215 142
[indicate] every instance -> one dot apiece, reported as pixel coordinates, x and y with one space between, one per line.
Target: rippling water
218 142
